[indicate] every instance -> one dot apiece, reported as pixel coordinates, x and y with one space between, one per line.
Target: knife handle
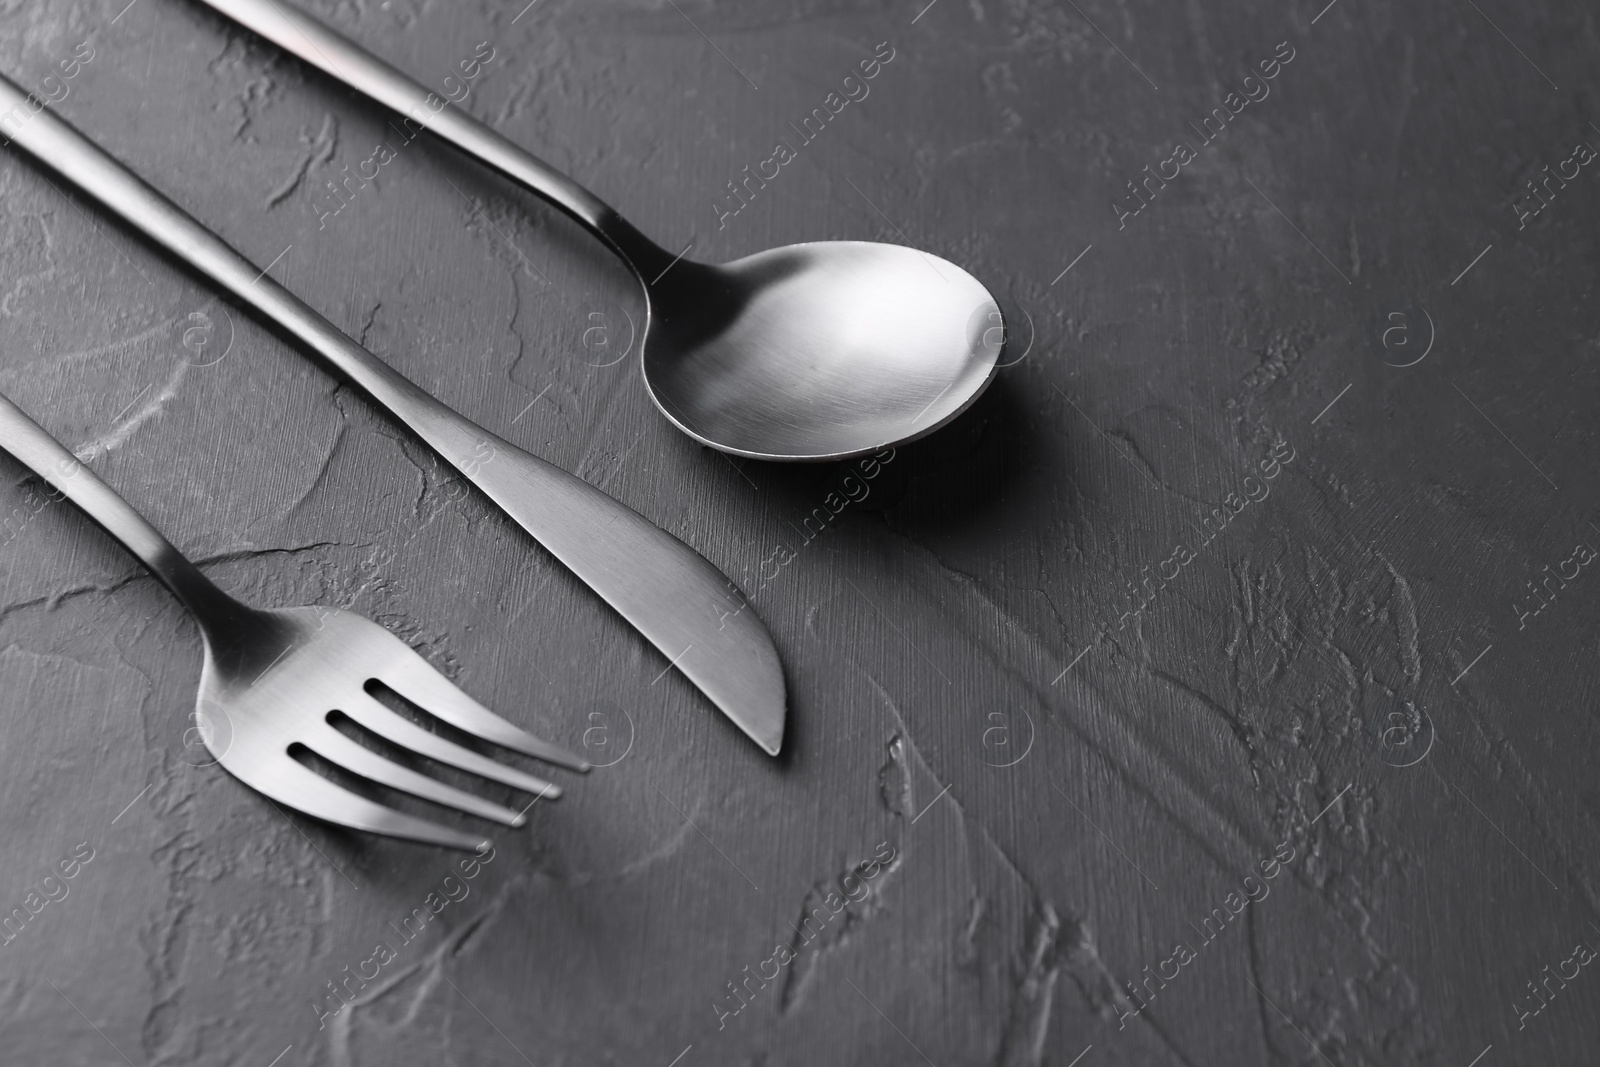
52 141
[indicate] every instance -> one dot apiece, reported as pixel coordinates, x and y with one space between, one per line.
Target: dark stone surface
1340 673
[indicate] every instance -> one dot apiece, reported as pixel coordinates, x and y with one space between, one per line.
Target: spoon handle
341 58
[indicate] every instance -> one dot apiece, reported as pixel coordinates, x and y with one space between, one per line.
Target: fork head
272 683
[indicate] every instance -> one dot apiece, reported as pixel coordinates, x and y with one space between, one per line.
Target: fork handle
46 457
341 58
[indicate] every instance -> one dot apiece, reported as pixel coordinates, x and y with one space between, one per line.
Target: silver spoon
808 352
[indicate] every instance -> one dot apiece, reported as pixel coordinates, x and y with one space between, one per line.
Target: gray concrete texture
1215 691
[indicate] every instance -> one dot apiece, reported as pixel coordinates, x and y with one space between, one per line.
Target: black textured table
1217 690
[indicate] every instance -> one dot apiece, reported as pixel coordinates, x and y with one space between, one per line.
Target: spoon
813 351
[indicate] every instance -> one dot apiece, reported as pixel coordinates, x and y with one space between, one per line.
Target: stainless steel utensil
807 352
674 596
272 679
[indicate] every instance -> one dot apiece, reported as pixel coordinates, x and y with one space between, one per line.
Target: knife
681 603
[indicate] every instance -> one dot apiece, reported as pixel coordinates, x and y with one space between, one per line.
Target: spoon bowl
818 351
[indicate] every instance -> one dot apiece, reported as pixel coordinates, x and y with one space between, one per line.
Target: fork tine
407 734
296 786
335 747
414 679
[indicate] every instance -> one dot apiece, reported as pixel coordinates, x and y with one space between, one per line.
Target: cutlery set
814 351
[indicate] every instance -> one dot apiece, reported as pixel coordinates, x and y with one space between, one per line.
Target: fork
273 680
